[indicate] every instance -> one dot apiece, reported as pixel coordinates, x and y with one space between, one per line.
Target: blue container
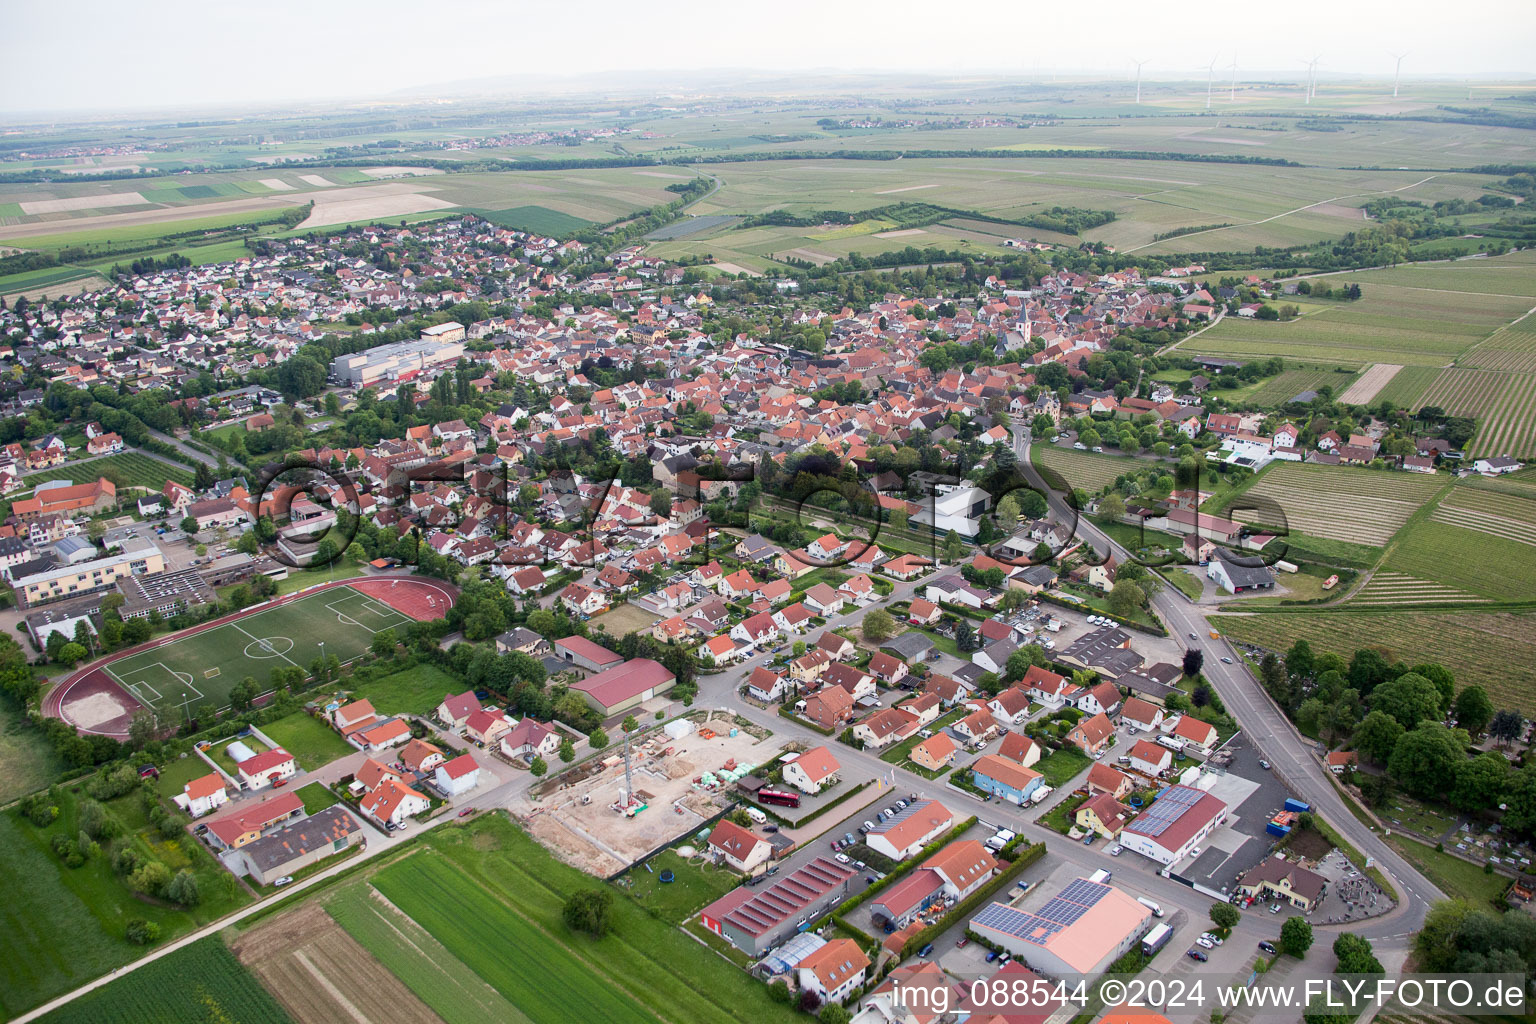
1298 806
1277 830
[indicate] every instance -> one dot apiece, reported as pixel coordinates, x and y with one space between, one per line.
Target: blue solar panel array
1058 913
1167 809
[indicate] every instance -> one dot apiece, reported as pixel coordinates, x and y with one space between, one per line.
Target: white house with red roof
392 802
381 736
267 768
203 795
1193 732
812 770
738 847
457 776
1151 758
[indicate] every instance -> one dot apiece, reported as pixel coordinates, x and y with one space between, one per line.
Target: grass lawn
64 925
1181 580
27 760
944 643
1061 766
695 886
1063 817
1455 877
316 797
309 740
175 776
416 690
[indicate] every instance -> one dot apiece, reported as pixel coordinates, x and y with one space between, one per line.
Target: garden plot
1335 503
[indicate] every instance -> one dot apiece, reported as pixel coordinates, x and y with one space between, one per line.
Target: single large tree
1295 937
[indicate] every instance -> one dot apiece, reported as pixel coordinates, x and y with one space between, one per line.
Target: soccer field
205 666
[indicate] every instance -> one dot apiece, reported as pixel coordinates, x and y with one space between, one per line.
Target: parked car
1275 909
1204 943
836 845
962 943
1196 954
991 955
1264 764
1211 937
285 880
842 858
770 828
1116 850
848 839
466 812
925 950
1268 947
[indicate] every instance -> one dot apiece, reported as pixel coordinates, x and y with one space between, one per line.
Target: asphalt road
1291 754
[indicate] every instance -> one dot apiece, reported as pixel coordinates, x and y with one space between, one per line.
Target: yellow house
809 666
934 753
791 567
1102 814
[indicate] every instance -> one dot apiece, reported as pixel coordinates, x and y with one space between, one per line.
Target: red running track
421 598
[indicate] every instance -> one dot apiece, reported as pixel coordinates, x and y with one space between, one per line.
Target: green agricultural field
200 982
1390 323
547 981
1281 388
205 665
1340 503
1478 543
1407 386
475 902
308 739
1502 402
413 691
1495 649
1086 470
539 220
128 469
408 951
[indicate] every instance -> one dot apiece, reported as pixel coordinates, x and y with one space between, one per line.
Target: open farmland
1406 385
1396 588
1389 323
200 982
471 923
321 974
1148 197
1503 403
1359 506
1364 390
1496 650
1287 384
1087 470
1479 542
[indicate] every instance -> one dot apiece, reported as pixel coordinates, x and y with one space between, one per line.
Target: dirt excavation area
680 783
322 976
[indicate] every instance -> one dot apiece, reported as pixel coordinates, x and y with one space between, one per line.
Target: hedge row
785 711
974 900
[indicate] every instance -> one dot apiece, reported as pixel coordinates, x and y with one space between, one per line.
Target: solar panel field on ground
205 666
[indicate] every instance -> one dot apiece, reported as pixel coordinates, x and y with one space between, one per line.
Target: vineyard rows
1334 503
1499 515
1394 588
1503 403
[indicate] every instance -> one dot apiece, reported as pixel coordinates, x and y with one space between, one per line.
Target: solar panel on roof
1164 811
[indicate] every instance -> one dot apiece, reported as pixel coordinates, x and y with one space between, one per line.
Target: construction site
611 811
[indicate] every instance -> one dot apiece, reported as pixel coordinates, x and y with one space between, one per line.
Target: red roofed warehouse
626 686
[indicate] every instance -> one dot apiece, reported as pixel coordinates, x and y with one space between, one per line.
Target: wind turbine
1397 74
1311 66
1233 97
1210 73
1138 64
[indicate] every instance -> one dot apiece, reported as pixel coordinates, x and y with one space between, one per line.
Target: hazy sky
107 54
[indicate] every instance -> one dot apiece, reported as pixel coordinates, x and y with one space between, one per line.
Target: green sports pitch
206 665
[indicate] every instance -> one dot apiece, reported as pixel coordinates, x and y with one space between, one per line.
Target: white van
1157 911
757 815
